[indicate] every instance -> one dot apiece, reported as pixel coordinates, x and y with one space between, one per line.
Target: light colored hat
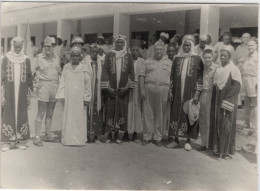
48 41
77 39
192 110
159 43
228 48
101 37
203 37
120 36
188 37
76 49
166 35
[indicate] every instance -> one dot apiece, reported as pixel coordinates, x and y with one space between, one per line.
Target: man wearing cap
226 40
199 48
154 86
47 74
117 76
76 41
100 41
135 122
95 110
227 83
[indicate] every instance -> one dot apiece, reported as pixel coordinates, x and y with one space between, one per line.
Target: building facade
138 20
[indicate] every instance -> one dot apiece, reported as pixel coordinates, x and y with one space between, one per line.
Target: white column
64 30
209 21
122 25
21 30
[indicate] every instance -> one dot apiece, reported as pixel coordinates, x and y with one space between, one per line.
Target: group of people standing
179 91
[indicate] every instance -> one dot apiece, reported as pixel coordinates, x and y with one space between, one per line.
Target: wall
97 25
234 17
37 31
158 21
50 29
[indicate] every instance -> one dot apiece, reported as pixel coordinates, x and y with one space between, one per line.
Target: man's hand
112 92
142 94
196 97
170 96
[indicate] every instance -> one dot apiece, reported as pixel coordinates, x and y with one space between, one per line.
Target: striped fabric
199 87
227 105
103 85
132 85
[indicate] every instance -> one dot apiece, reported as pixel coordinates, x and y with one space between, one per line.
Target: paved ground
129 166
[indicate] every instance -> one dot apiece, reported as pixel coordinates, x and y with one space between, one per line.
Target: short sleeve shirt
157 72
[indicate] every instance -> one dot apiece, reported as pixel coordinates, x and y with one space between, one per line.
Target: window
239 31
90 38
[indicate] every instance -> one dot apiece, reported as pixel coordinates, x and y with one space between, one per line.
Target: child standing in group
75 89
205 97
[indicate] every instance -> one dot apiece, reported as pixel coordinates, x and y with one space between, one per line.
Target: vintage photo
129 96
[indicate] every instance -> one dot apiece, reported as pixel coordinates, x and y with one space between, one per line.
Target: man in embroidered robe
95 111
16 88
117 76
186 84
154 87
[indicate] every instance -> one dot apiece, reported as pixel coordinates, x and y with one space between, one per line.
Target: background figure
57 48
151 47
75 89
47 74
239 56
199 48
154 87
143 50
226 40
116 79
249 76
186 84
227 83
172 50
135 116
16 88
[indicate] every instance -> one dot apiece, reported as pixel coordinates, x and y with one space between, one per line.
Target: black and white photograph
129 95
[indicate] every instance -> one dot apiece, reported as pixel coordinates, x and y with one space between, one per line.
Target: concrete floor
129 166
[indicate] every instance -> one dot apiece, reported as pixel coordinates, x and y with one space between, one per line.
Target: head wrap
76 50
12 56
190 39
77 39
163 34
204 37
228 48
159 43
49 41
119 53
